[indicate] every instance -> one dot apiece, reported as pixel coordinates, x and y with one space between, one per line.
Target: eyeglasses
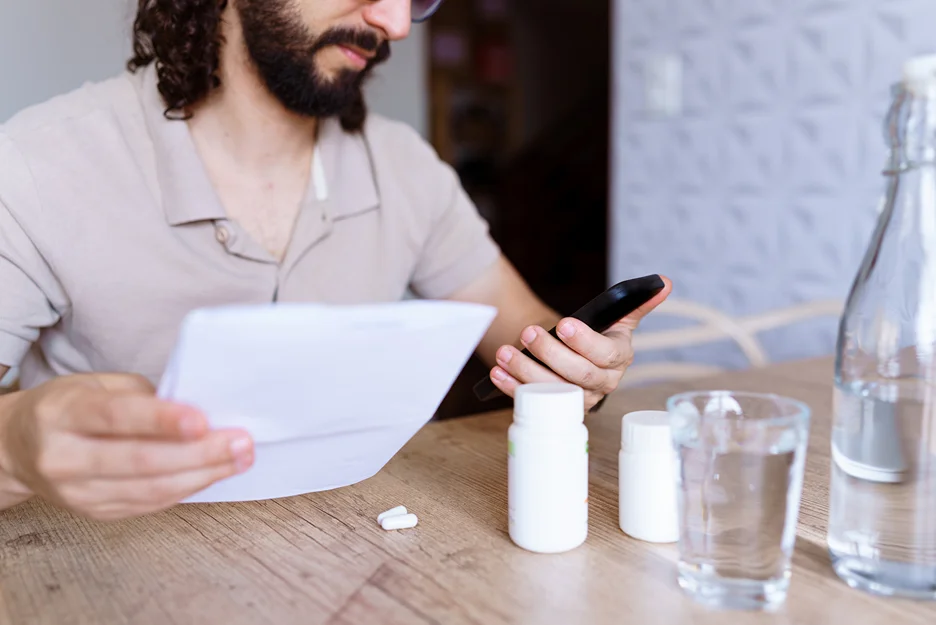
421 10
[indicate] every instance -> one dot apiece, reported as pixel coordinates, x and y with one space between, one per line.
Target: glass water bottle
882 508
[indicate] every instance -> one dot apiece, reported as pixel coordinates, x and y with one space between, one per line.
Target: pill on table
399 522
391 512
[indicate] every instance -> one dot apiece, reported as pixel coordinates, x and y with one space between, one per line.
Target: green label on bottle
510 448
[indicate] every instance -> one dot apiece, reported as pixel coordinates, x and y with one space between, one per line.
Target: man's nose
390 16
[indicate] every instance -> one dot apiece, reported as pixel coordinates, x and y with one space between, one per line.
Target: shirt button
222 235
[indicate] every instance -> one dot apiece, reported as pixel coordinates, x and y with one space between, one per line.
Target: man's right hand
105 447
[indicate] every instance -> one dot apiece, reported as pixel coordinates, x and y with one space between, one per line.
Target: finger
107 413
572 366
124 382
633 320
607 351
508 385
123 498
170 489
128 458
522 367
504 381
114 382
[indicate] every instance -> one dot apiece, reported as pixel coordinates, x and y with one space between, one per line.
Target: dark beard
283 51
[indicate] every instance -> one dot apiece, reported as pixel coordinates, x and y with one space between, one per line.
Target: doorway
519 105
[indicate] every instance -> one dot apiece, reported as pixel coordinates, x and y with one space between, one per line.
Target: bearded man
233 162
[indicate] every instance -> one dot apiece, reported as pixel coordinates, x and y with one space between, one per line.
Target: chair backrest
714 325
8 382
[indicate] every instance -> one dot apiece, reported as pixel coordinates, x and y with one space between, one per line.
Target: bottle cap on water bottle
919 73
549 404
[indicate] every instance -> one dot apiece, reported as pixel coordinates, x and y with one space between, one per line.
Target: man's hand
105 447
596 362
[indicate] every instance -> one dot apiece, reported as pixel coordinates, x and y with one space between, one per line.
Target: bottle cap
646 432
919 73
549 404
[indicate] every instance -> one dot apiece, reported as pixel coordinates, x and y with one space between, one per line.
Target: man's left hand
595 362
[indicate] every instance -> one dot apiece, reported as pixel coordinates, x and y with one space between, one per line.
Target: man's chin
346 74
326 92
322 104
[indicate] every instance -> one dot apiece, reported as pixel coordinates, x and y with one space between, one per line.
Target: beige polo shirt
110 231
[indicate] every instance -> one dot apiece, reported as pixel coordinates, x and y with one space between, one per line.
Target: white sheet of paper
329 393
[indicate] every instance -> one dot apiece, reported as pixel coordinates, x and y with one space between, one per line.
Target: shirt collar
186 190
351 180
346 176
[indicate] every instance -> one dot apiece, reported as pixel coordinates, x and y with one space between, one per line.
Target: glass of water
740 460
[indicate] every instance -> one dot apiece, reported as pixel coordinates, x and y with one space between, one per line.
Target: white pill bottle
647 484
547 468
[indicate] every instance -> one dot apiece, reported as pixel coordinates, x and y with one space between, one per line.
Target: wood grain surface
322 559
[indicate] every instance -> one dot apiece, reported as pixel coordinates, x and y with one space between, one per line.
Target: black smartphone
599 314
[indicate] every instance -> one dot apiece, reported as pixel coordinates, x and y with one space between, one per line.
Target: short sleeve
458 247
26 281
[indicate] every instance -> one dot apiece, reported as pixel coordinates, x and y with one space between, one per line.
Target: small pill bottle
647 488
547 468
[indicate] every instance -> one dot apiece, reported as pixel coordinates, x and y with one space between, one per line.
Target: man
234 162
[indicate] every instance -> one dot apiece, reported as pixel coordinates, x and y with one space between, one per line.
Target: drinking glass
740 460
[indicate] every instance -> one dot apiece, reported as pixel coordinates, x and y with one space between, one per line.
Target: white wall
49 47
762 192
399 88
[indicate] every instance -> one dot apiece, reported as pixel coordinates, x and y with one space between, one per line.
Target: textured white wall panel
762 192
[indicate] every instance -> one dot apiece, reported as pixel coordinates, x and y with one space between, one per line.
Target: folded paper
329 393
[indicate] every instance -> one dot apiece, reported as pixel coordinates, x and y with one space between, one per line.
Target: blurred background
733 145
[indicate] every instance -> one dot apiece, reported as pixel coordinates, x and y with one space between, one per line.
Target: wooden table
321 558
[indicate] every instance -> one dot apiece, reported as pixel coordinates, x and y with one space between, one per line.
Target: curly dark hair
183 38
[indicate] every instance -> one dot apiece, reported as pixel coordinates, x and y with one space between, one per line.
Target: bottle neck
911 126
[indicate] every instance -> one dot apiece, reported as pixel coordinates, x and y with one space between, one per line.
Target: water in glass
740 471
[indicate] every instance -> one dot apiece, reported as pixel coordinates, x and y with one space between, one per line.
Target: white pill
391 512
399 522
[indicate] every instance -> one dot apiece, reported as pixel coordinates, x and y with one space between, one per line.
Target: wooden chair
9 382
714 325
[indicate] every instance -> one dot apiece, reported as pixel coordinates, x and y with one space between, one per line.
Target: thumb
127 382
632 320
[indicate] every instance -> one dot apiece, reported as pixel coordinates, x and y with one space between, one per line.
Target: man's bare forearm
11 491
518 307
